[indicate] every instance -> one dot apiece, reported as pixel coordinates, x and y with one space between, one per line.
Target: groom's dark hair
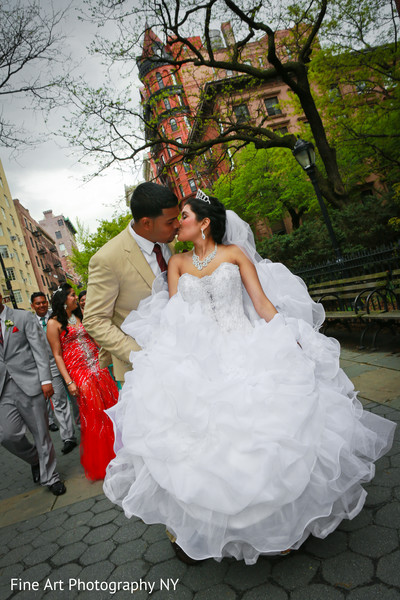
149 199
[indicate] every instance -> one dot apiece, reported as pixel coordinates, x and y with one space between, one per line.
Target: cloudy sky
49 175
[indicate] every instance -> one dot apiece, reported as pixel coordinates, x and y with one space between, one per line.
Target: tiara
202 196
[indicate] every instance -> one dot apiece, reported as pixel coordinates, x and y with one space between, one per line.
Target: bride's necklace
72 319
201 264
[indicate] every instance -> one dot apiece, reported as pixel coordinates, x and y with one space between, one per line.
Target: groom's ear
146 223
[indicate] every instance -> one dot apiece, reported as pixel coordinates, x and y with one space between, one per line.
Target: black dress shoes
53 427
57 488
183 557
69 445
35 473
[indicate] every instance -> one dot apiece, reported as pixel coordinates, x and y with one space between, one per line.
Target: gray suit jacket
24 354
53 366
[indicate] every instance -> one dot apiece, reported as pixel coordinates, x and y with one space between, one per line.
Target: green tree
89 243
261 186
111 127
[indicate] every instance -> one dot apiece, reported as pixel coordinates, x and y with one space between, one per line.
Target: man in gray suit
40 305
25 382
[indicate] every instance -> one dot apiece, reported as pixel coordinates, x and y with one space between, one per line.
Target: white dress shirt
146 246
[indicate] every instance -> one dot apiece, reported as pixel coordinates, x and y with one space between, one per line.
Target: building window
186 167
178 141
7 202
3 212
192 185
260 61
11 273
4 251
62 247
12 220
58 235
60 222
44 283
169 151
282 130
229 73
181 191
160 81
162 159
173 124
1 229
272 106
37 260
173 77
181 102
41 262
17 295
241 113
167 104
33 245
176 171
186 122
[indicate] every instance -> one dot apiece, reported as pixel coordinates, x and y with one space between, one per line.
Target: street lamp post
304 153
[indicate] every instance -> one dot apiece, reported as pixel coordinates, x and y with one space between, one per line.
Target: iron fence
384 258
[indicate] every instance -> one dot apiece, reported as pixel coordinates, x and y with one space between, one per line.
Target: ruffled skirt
241 443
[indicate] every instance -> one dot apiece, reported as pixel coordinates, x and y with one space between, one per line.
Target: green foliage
359 98
90 243
362 224
266 184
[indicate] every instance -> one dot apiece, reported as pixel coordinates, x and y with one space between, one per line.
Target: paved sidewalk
66 547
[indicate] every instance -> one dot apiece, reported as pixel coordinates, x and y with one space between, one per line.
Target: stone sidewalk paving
81 546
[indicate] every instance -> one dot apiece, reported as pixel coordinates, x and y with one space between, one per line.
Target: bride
236 428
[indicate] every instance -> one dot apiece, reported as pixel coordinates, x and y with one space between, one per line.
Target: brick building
191 103
63 232
43 254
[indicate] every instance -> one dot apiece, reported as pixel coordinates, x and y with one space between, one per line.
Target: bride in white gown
236 428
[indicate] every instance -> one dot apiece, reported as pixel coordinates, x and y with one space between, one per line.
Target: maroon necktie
160 259
1 335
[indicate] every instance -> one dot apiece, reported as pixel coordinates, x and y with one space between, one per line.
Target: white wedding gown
241 436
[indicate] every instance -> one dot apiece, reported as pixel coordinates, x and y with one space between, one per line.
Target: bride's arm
173 274
264 307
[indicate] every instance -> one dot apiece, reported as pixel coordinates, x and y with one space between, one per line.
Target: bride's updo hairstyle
215 211
57 305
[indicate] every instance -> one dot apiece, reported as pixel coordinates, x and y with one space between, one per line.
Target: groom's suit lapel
137 260
7 330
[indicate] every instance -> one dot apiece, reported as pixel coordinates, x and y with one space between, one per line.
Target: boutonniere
8 323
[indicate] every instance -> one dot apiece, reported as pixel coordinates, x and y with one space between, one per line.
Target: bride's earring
202 234
65 307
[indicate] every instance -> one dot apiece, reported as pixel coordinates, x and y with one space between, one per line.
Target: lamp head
304 153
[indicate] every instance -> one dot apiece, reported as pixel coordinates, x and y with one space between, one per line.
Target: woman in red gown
76 357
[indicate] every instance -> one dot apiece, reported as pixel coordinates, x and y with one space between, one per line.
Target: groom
122 272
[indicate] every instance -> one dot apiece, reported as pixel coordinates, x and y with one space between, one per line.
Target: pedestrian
40 305
25 383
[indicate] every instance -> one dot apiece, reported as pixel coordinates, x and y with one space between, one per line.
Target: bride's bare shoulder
233 252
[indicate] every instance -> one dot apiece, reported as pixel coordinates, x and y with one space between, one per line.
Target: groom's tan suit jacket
119 278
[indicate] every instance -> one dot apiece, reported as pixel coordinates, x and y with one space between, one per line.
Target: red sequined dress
97 391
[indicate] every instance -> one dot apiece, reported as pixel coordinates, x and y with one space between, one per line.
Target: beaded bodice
220 295
80 353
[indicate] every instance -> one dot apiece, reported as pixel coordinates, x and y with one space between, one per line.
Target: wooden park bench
344 300
383 307
369 299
